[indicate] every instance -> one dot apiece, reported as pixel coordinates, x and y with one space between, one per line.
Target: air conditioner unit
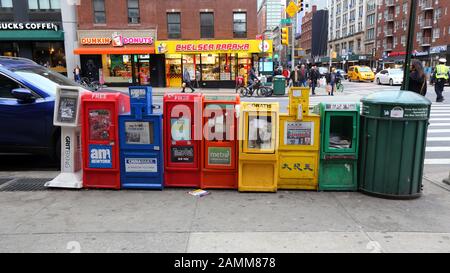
134 20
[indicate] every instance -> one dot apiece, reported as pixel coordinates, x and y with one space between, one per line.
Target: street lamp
410 44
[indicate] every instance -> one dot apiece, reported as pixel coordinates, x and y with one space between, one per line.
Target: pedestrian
331 81
77 74
252 78
417 78
440 77
187 80
197 77
294 77
314 77
303 76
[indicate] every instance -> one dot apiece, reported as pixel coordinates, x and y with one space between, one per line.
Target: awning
31 35
114 50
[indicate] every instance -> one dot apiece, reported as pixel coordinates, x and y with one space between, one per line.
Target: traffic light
300 5
284 36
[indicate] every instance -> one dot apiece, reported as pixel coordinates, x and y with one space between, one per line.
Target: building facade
346 35
270 13
35 30
306 36
151 42
431 36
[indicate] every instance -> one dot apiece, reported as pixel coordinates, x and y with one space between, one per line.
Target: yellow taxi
360 73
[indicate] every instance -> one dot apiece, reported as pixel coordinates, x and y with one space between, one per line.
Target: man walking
295 77
315 77
440 76
303 76
187 80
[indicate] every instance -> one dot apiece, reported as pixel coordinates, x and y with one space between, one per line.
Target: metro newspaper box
299 144
141 154
339 146
67 115
182 140
220 143
258 147
100 136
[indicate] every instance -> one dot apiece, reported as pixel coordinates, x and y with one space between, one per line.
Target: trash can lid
279 77
396 97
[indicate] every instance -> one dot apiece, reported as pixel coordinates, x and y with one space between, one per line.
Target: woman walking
417 78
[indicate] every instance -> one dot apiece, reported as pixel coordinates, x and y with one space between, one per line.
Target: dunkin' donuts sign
116 39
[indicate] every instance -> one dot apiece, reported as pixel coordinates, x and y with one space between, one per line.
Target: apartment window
6 4
133 12
39 5
174 25
403 40
99 12
436 33
207 25
240 25
405 8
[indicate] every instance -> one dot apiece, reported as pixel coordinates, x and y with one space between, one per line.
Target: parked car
389 76
27 96
360 73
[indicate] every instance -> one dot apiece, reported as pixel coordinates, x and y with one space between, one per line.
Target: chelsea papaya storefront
213 63
120 57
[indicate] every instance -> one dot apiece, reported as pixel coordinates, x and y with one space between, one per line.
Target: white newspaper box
67 115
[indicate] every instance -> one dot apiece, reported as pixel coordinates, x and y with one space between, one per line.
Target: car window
44 78
365 69
6 87
384 72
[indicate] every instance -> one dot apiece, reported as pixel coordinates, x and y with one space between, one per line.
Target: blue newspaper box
141 153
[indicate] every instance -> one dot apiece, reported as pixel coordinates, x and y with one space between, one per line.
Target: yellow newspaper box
299 136
258 147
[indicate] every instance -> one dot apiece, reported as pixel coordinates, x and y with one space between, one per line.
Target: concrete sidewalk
224 221
160 91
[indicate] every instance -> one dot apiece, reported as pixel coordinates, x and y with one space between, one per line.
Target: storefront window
119 69
189 62
225 67
210 67
51 55
173 69
244 64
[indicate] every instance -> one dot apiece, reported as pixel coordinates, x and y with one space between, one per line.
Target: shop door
142 70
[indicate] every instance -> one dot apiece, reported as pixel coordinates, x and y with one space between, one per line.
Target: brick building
431 37
150 42
306 36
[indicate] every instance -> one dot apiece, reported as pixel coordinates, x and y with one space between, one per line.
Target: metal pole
294 28
410 44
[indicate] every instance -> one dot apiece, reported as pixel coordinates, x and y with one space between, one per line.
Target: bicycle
90 83
257 89
339 86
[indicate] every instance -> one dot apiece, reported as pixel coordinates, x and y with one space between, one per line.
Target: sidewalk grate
26 184
4 180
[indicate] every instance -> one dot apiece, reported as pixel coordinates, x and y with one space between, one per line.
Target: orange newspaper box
220 143
100 138
182 140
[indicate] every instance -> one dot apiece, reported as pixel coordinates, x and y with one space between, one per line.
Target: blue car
27 96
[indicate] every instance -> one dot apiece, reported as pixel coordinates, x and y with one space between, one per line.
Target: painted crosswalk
438 140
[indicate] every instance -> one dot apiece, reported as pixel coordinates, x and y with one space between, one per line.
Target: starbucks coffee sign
28 26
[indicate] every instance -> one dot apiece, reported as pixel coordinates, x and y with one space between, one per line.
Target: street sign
287 21
292 9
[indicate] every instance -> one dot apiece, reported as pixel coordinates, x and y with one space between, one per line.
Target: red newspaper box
182 139
220 143
100 136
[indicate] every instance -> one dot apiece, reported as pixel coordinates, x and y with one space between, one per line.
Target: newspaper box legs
141 154
220 144
182 140
299 144
100 136
258 147
67 115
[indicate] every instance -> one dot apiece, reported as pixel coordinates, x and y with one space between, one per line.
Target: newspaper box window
67 115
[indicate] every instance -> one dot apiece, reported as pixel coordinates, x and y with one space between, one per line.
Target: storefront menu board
67 105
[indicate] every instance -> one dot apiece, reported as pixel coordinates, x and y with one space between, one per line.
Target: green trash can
394 128
279 85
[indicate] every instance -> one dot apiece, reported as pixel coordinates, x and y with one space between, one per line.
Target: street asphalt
228 221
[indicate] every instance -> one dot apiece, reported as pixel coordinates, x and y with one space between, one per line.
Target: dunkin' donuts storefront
211 63
120 57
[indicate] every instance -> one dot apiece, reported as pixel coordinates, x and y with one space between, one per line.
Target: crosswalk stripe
433 139
440 111
439 124
437 149
440 115
431 131
439 119
437 161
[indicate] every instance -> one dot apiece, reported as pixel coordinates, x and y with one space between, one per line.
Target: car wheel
378 81
391 82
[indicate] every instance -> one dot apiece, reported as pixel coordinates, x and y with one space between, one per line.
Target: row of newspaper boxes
115 141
